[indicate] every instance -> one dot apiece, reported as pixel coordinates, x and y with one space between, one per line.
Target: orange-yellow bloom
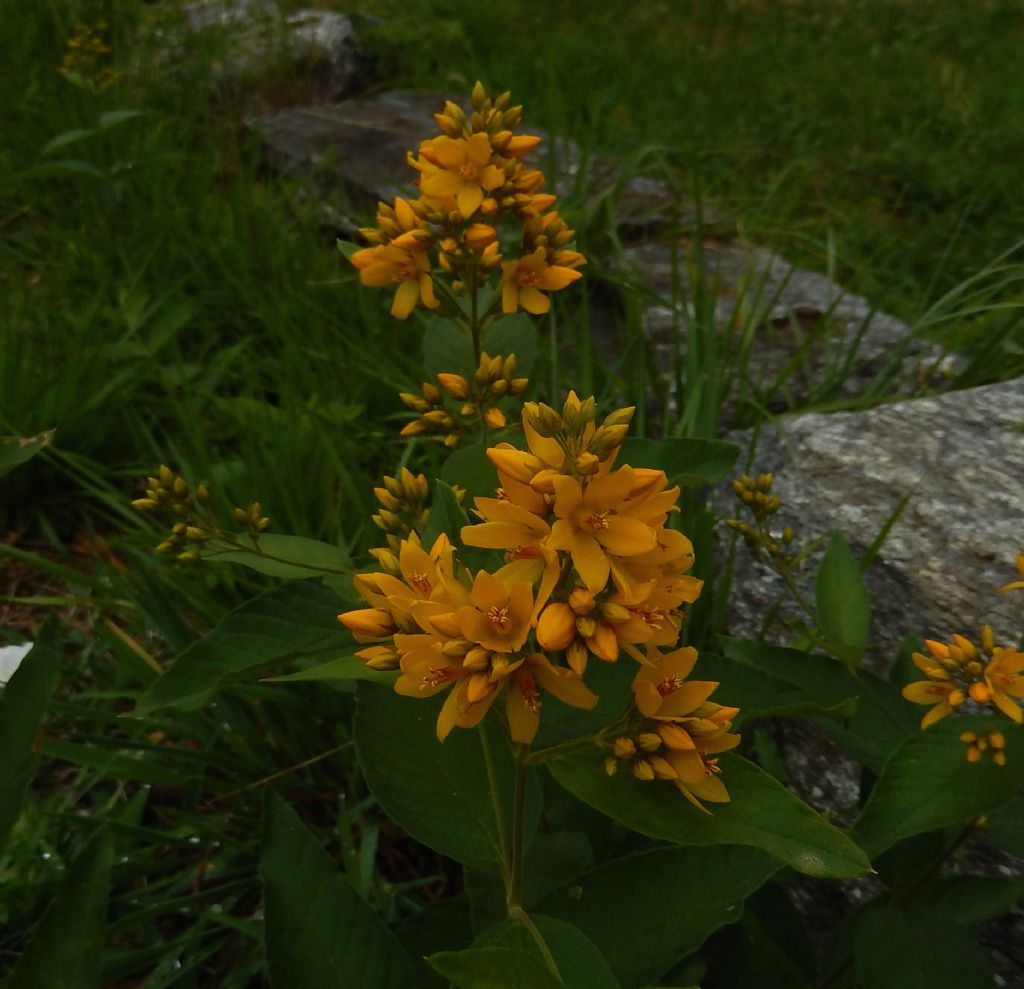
1004 680
409 269
596 520
459 167
525 281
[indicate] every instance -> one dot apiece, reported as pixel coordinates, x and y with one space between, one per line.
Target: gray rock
353 154
794 335
319 46
961 458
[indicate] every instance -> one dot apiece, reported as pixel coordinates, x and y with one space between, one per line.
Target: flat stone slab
798 332
959 455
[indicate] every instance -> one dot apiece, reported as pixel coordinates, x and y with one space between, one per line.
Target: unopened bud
643 770
495 418
180 487
587 464
648 741
415 428
455 384
144 505
414 402
431 393
188 557
581 601
624 747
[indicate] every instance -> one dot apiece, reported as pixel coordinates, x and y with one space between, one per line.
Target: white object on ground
10 660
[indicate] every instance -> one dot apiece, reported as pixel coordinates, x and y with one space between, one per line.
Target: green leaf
22 706
444 925
469 468
762 813
745 955
689 462
879 725
319 933
348 667
512 334
447 348
580 964
841 600
550 863
112 118
437 791
927 783
969 900
1006 827
761 695
667 902
494 968
295 619
289 557
446 515
66 138
64 951
894 947
15 450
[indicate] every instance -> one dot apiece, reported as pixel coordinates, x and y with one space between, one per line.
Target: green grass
166 299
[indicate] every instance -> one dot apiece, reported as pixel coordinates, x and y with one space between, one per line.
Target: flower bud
643 770
611 765
431 393
369 623
587 465
581 601
624 747
556 627
455 384
648 741
495 418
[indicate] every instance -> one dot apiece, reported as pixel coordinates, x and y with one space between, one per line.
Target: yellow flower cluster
446 412
86 54
171 500
471 178
403 509
590 568
990 741
988 675
682 730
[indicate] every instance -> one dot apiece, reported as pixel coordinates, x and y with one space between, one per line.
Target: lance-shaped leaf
927 783
319 933
688 461
295 619
893 947
841 600
22 706
667 902
437 791
65 949
15 450
508 956
288 557
762 813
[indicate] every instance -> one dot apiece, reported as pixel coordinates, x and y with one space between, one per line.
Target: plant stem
474 319
499 815
514 898
554 751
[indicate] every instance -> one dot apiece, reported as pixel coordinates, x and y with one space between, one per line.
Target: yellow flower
525 281
944 696
1004 680
596 520
498 614
522 705
459 167
1016 584
409 269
